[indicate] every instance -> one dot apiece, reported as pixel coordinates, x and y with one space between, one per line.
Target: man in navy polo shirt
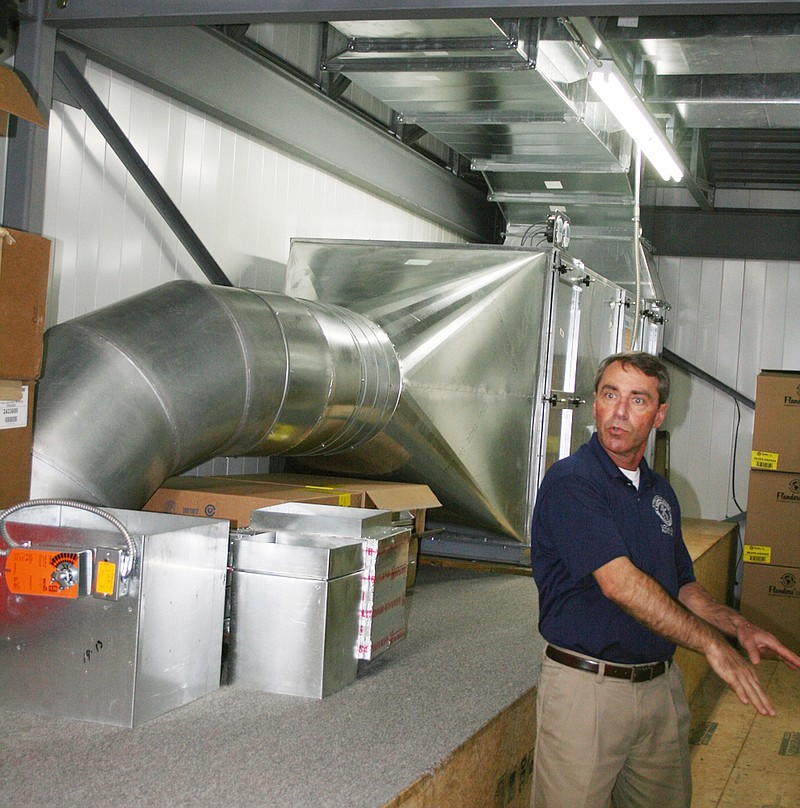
616 594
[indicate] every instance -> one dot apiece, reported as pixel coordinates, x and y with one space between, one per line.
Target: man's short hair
646 363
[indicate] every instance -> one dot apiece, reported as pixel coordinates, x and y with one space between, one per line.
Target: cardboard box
382 611
382 494
243 482
348 497
777 421
214 497
771 599
16 440
16 100
773 518
24 274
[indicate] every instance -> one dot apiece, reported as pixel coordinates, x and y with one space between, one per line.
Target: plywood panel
493 767
711 545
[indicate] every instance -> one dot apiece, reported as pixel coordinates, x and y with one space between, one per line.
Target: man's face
625 410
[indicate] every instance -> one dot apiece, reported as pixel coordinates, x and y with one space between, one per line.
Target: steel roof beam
126 13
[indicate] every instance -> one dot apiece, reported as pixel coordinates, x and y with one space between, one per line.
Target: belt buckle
644 674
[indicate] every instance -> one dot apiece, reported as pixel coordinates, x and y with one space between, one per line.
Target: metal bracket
563 401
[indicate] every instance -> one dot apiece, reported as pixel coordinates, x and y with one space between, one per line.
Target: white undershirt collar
633 476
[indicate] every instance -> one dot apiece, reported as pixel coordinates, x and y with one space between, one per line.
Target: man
616 594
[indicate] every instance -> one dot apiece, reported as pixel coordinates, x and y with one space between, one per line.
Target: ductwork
156 384
403 361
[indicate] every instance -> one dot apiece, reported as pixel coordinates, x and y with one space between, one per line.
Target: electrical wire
733 465
69 503
532 230
740 543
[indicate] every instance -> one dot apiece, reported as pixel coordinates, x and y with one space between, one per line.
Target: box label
764 460
14 414
757 554
792 399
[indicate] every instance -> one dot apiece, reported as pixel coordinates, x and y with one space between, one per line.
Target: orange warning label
42 572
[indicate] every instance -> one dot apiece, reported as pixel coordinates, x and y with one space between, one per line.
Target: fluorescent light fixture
626 106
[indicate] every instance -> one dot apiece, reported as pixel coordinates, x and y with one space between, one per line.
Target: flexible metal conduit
67 503
160 382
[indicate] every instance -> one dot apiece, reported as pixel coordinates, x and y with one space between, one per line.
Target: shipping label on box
777 421
16 439
13 406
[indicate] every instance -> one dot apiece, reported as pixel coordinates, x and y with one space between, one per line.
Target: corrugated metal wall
731 318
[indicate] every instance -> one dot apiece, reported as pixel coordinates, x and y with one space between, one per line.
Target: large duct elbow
160 382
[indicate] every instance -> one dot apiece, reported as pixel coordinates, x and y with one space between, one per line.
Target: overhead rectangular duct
524 117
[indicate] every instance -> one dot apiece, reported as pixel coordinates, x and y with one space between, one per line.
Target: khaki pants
599 738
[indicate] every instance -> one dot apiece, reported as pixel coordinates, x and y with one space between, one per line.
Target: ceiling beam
696 26
126 13
724 233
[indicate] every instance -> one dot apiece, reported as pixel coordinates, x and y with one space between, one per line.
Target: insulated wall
731 318
244 199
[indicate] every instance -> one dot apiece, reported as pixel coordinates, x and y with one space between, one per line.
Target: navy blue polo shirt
588 513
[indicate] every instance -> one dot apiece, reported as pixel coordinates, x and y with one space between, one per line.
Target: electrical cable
69 503
740 543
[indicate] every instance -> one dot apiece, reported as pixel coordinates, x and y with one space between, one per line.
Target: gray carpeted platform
472 649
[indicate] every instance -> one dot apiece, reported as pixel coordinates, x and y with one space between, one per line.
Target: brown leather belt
633 673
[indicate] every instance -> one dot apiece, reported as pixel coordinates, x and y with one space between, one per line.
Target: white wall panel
791 335
730 306
731 318
245 200
775 310
686 314
749 347
708 311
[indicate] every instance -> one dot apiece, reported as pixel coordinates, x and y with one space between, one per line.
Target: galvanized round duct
162 381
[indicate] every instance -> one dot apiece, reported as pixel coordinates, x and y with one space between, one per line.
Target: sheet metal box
294 613
382 606
124 661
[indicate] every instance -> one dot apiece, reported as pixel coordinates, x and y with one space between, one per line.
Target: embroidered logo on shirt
664 511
